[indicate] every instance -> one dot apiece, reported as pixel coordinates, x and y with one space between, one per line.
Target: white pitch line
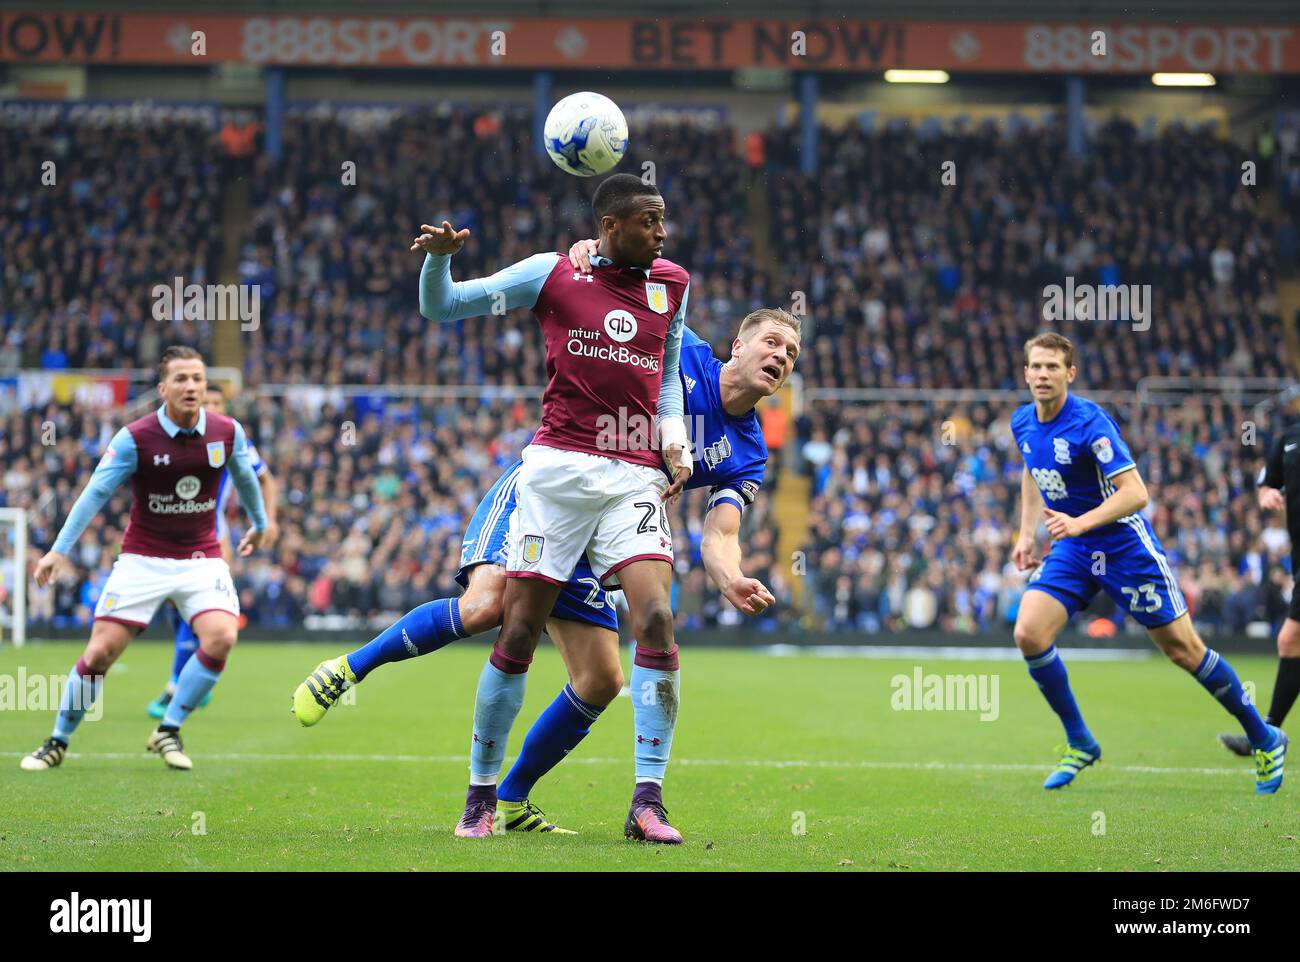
948 653
687 762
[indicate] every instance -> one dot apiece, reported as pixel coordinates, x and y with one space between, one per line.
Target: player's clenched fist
1062 525
440 240
748 595
49 568
1270 499
251 541
1022 556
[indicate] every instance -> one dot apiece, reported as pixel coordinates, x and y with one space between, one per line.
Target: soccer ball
585 134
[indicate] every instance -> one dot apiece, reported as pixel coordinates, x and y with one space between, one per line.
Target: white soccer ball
586 134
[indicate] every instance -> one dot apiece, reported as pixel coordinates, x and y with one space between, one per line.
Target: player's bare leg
108 639
421 631
1284 690
525 608
590 654
483 603
591 657
1038 623
656 695
217 632
1184 647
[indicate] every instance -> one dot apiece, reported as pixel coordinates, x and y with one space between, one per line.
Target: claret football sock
1048 672
418 632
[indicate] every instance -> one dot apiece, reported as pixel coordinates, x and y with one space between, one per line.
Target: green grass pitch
765 746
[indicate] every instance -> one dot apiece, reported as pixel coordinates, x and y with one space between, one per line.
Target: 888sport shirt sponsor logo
1050 482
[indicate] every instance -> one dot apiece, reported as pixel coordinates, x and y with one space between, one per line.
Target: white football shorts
138 584
568 502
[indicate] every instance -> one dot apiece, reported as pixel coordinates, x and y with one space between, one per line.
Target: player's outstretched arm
670 417
117 464
250 493
720 549
442 299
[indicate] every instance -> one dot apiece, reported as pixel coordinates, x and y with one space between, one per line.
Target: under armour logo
663 542
642 740
162 459
577 276
486 743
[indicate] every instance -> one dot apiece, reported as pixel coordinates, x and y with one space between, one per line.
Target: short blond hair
764 314
1053 342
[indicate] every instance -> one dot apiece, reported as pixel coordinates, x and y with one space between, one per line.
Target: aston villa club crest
533 548
217 453
108 602
656 295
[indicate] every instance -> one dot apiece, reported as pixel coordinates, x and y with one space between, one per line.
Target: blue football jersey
1073 457
730 453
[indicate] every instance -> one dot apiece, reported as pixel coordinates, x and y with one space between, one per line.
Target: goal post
13 575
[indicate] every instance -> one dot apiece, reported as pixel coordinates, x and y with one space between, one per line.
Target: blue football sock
656 694
187 643
418 632
1218 678
79 696
198 677
496 705
556 732
1048 671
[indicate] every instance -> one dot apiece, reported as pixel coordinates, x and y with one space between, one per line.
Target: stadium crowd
907 286
911 283
119 209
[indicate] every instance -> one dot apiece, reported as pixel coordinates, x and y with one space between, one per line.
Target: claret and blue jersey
1074 459
730 460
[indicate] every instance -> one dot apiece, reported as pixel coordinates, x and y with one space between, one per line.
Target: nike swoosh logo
1289 447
